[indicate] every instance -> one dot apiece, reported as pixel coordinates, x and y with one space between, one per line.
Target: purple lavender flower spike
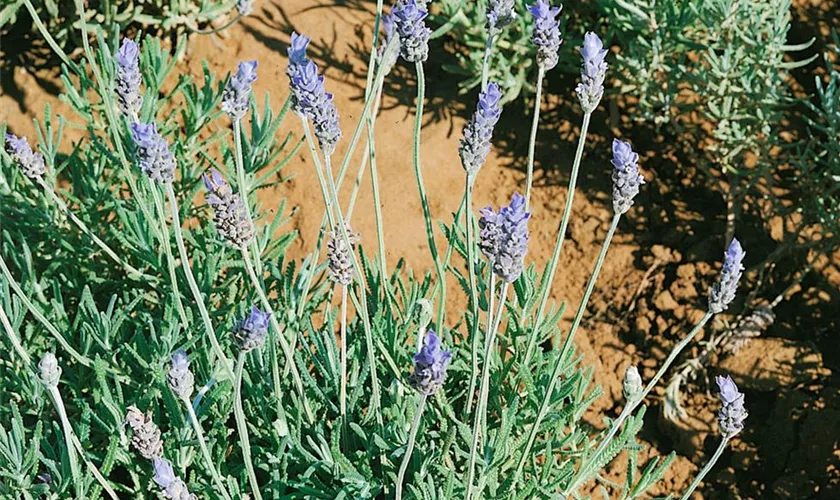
340 256
477 133
153 155
31 163
128 79
592 72
179 377
237 93
244 7
626 176
409 16
723 292
310 99
173 487
229 215
732 413
546 34
504 238
251 331
430 366
500 13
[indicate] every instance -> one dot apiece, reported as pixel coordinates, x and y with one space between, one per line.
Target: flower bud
50 371
632 383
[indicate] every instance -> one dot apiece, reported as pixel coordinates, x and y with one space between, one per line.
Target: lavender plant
341 414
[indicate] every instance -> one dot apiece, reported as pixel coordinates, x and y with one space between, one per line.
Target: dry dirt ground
652 286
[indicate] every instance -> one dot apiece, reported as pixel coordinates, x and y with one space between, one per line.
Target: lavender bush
182 355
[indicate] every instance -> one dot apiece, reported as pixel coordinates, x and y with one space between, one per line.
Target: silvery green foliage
31 164
626 177
250 333
340 256
153 156
128 78
179 377
732 412
723 291
146 436
229 215
50 371
409 20
173 487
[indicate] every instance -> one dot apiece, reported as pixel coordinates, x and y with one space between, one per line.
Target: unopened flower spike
732 413
49 370
632 384
229 215
173 487
500 13
179 377
388 62
128 79
479 130
409 19
237 94
153 155
250 333
546 35
309 97
430 365
626 176
593 71
31 164
340 256
504 238
146 437
723 291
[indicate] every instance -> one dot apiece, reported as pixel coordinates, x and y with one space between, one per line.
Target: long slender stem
485 65
244 192
133 273
722 446
343 382
199 299
567 343
47 36
278 332
533 141
68 439
471 264
202 443
170 260
561 236
584 473
412 437
424 201
481 410
242 427
13 338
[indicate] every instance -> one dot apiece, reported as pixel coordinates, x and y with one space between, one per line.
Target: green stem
170 260
706 469
481 410
199 300
284 344
533 141
242 427
133 273
244 192
343 382
558 363
412 436
546 283
13 338
424 201
68 439
584 473
485 65
47 36
208 459
471 264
